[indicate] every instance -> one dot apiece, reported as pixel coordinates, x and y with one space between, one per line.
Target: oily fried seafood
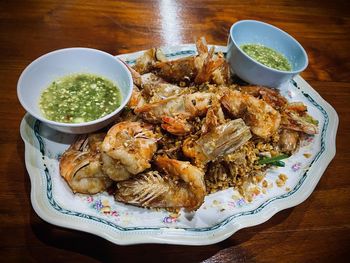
200 69
178 185
187 131
270 96
128 149
222 140
81 165
288 140
295 117
174 112
260 116
147 61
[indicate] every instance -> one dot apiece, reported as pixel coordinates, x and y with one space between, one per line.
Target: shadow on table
230 250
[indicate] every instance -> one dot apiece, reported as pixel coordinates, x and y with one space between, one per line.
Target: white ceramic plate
222 213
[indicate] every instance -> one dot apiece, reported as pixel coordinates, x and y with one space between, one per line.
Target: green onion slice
273 160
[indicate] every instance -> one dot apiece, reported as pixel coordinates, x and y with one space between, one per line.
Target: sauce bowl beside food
84 64
250 33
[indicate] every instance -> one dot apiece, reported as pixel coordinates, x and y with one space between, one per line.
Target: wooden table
316 230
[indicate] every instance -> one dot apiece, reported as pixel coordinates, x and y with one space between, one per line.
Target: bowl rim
280 31
80 124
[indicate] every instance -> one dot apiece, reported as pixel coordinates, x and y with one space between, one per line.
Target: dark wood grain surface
316 230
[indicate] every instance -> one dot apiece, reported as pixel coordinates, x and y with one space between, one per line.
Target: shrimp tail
201 45
136 76
209 66
214 118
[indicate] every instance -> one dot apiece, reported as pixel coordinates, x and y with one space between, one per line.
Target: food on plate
198 69
79 98
189 131
267 56
174 113
220 141
296 118
81 166
178 184
128 149
260 116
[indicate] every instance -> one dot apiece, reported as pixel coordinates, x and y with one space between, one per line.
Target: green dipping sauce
79 98
267 56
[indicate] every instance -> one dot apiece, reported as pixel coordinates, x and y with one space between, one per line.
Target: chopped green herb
275 159
79 98
267 56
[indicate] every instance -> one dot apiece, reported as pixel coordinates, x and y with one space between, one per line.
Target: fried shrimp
269 95
194 68
81 165
150 88
136 99
288 140
189 129
261 117
173 112
181 186
147 61
128 149
213 118
295 117
223 139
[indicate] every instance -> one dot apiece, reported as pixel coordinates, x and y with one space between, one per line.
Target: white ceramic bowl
44 70
253 72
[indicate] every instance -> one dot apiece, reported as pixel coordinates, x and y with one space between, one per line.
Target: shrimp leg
182 186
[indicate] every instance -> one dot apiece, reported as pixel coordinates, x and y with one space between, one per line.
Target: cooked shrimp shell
180 186
81 166
128 149
261 117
